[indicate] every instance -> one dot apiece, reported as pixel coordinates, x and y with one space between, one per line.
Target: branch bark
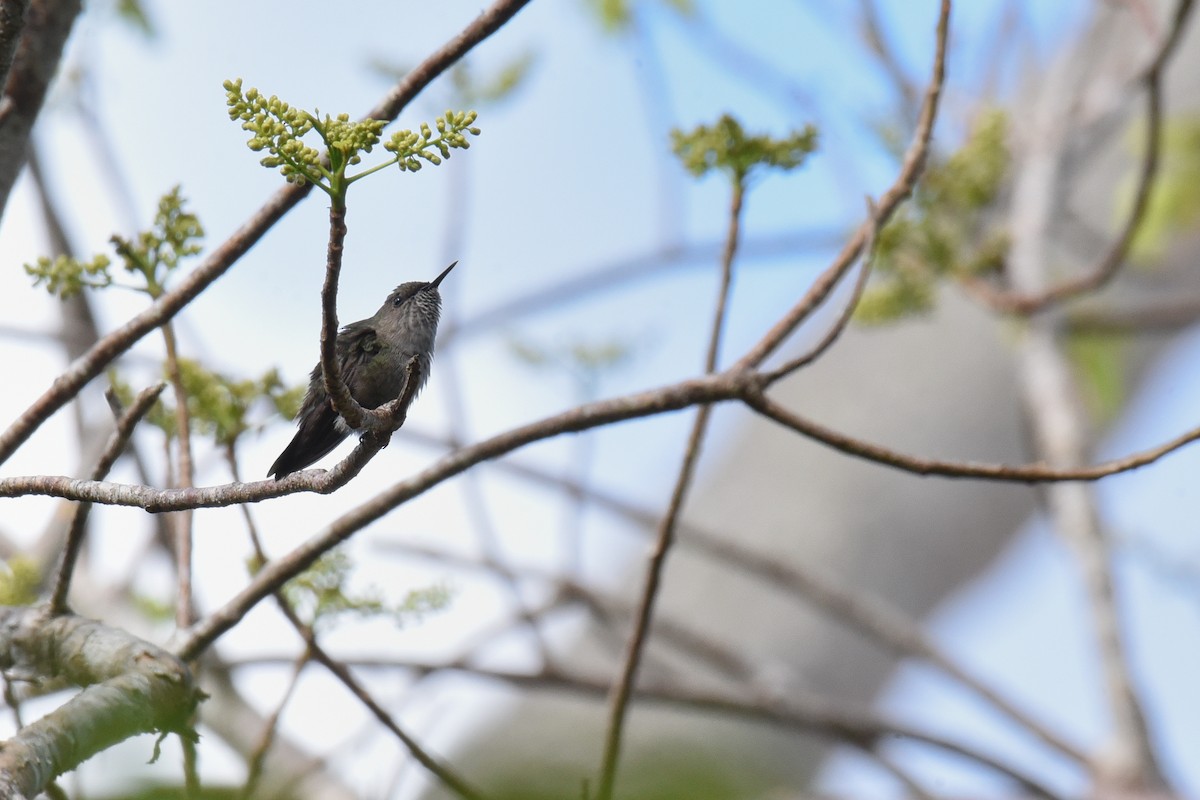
47 25
132 687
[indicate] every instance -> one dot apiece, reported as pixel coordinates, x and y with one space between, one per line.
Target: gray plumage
373 355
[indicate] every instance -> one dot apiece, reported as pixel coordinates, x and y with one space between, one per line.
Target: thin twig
184 612
314 652
442 771
451 380
112 451
874 618
1052 402
854 608
835 332
910 170
258 756
623 686
1027 303
1024 473
902 776
687 640
800 712
191 767
1147 319
876 39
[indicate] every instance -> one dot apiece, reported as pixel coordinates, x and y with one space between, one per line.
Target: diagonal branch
1106 269
112 451
725 386
1007 473
910 170
12 23
843 320
47 23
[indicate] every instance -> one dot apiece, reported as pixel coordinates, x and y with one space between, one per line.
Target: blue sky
567 176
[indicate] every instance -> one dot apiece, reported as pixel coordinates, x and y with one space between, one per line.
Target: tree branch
132 687
910 170
623 686
112 451
1026 303
835 331
12 23
47 25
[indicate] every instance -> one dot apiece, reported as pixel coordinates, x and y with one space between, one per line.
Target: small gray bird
373 355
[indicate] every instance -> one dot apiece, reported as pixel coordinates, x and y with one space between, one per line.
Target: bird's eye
397 301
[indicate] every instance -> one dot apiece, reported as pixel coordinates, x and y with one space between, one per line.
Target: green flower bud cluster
158 251
151 254
65 277
452 128
347 139
727 147
278 128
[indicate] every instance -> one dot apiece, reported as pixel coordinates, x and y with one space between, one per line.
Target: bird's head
413 306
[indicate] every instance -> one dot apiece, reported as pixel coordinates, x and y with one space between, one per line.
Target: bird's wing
357 339
318 434
357 344
319 430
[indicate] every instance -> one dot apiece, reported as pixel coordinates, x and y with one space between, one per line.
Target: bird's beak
445 272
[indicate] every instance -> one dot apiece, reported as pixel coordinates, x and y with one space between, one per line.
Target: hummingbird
373 355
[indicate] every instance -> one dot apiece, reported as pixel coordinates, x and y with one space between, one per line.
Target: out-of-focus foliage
321 594
64 277
669 772
152 254
218 406
615 16
585 362
154 608
726 146
134 13
945 231
498 85
1100 363
1175 201
19 581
